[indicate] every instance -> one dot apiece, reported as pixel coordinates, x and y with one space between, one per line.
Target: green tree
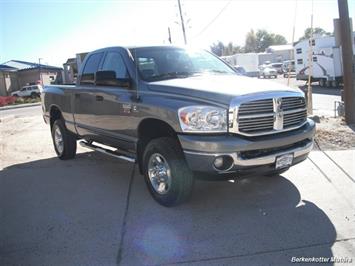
218 48
316 31
262 39
250 42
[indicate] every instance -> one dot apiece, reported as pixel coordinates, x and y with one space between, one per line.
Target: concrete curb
19 106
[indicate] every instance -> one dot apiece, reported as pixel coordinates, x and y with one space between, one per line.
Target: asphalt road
96 210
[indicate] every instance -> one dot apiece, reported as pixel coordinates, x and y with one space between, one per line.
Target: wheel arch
54 114
152 128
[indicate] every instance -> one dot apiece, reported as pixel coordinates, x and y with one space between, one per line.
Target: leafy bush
11 100
5 100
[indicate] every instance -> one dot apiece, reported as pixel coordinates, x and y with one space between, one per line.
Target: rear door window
91 66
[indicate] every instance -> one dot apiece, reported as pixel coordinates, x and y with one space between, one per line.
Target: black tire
68 139
322 82
15 95
182 179
276 172
334 84
33 95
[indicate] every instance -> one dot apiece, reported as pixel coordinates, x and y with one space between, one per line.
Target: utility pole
39 69
310 69
348 61
169 35
182 22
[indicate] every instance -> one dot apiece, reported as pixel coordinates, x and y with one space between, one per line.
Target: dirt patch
334 134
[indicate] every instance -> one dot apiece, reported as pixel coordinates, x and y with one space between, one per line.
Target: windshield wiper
172 75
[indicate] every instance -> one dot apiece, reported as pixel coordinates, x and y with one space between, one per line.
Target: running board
107 152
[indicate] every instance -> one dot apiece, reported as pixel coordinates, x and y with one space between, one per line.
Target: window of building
299 50
91 66
315 59
300 61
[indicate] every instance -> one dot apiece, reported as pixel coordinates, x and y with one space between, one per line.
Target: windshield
170 62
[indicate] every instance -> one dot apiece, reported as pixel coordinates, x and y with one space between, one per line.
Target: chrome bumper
269 159
257 161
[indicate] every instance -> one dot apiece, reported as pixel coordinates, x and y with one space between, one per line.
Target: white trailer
326 60
249 61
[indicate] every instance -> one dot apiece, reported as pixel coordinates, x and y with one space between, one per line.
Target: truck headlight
203 119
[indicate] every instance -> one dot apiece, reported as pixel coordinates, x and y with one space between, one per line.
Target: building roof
22 65
280 47
7 68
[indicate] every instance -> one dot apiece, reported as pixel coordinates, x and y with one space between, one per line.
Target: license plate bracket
283 161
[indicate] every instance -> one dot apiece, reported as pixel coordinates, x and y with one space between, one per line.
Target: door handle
99 98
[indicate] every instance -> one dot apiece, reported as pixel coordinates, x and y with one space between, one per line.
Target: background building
15 74
72 67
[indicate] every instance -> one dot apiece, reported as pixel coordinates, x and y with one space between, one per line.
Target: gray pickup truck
179 114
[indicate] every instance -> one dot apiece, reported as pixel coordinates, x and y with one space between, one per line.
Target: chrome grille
256 107
292 103
270 115
294 119
256 124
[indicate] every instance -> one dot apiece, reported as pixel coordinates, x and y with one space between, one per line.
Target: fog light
223 163
218 162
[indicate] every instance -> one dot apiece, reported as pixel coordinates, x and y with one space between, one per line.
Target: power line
213 20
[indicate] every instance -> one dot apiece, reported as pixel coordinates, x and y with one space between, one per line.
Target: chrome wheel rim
58 140
159 173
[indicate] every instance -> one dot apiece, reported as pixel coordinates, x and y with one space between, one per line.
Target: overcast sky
57 30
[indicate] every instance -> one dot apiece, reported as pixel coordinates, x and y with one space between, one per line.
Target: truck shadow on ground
73 212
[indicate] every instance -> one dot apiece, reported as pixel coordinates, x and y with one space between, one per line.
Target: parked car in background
28 91
288 67
240 70
268 72
278 67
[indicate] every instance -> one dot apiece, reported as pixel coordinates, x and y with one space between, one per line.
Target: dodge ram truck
180 114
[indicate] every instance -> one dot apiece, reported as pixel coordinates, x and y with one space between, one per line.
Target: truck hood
218 88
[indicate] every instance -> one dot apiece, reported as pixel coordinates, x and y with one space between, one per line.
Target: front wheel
64 142
168 178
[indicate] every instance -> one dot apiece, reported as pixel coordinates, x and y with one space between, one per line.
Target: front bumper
249 155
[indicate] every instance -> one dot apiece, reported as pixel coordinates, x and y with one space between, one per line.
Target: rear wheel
322 82
334 84
168 178
64 142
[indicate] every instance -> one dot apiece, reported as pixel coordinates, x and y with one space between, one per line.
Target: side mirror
108 78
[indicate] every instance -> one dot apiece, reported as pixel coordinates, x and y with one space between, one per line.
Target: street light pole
182 22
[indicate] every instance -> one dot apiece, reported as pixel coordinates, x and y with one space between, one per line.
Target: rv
326 61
